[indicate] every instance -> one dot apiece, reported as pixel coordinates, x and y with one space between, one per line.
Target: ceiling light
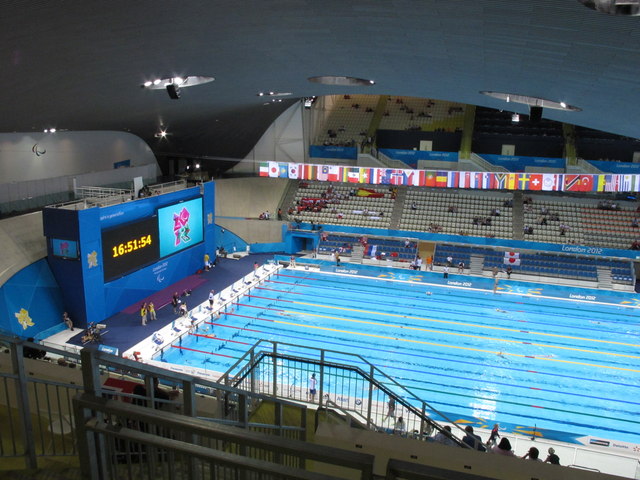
183 82
46 130
52 130
515 118
531 101
342 81
274 94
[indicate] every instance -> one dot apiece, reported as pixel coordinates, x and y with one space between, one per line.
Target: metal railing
35 404
121 440
344 379
89 197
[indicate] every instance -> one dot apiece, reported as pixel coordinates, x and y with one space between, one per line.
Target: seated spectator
414 206
495 212
532 454
509 271
503 448
634 223
542 220
453 209
563 229
554 217
528 230
461 267
508 203
552 458
473 440
544 210
635 245
444 437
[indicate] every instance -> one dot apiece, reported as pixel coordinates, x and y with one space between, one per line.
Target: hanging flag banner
524 181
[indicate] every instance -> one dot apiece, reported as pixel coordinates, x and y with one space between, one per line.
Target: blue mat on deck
124 330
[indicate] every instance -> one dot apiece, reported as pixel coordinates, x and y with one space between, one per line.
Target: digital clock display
129 247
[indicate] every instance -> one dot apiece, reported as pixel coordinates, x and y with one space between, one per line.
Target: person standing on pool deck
152 311
336 255
445 271
495 435
312 387
391 409
211 298
143 314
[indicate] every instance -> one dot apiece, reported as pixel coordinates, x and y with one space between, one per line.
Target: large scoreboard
131 246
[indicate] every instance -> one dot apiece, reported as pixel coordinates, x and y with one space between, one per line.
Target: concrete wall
22 243
35 156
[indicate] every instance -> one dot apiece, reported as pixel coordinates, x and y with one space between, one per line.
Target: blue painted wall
31 301
87 296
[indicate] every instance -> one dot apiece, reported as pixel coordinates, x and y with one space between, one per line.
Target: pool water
513 359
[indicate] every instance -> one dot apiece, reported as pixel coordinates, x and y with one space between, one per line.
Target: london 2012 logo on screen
181 227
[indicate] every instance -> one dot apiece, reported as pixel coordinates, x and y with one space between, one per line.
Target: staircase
517 213
476 264
604 278
287 198
398 206
357 253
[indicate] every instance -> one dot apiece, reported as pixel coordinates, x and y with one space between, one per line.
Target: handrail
193 428
254 357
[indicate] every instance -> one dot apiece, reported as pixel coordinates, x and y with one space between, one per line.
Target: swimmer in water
500 310
428 293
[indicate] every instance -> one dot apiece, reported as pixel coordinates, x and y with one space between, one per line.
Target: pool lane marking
474 289
422 342
202 351
453 322
442 374
501 367
213 337
427 330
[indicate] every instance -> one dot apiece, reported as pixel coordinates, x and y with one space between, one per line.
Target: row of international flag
454 179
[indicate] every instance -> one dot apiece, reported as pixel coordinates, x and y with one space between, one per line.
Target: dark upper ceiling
78 65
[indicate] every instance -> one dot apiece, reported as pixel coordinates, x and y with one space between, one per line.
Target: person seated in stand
414 206
461 267
495 212
563 229
452 209
444 437
532 454
503 448
473 440
634 223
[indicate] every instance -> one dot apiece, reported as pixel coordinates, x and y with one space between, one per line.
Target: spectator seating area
374 247
339 204
467 212
457 213
346 119
549 218
407 113
542 264
491 121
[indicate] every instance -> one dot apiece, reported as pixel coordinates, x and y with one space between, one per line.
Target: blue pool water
514 359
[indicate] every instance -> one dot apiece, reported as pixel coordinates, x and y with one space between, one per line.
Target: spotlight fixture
515 118
173 90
